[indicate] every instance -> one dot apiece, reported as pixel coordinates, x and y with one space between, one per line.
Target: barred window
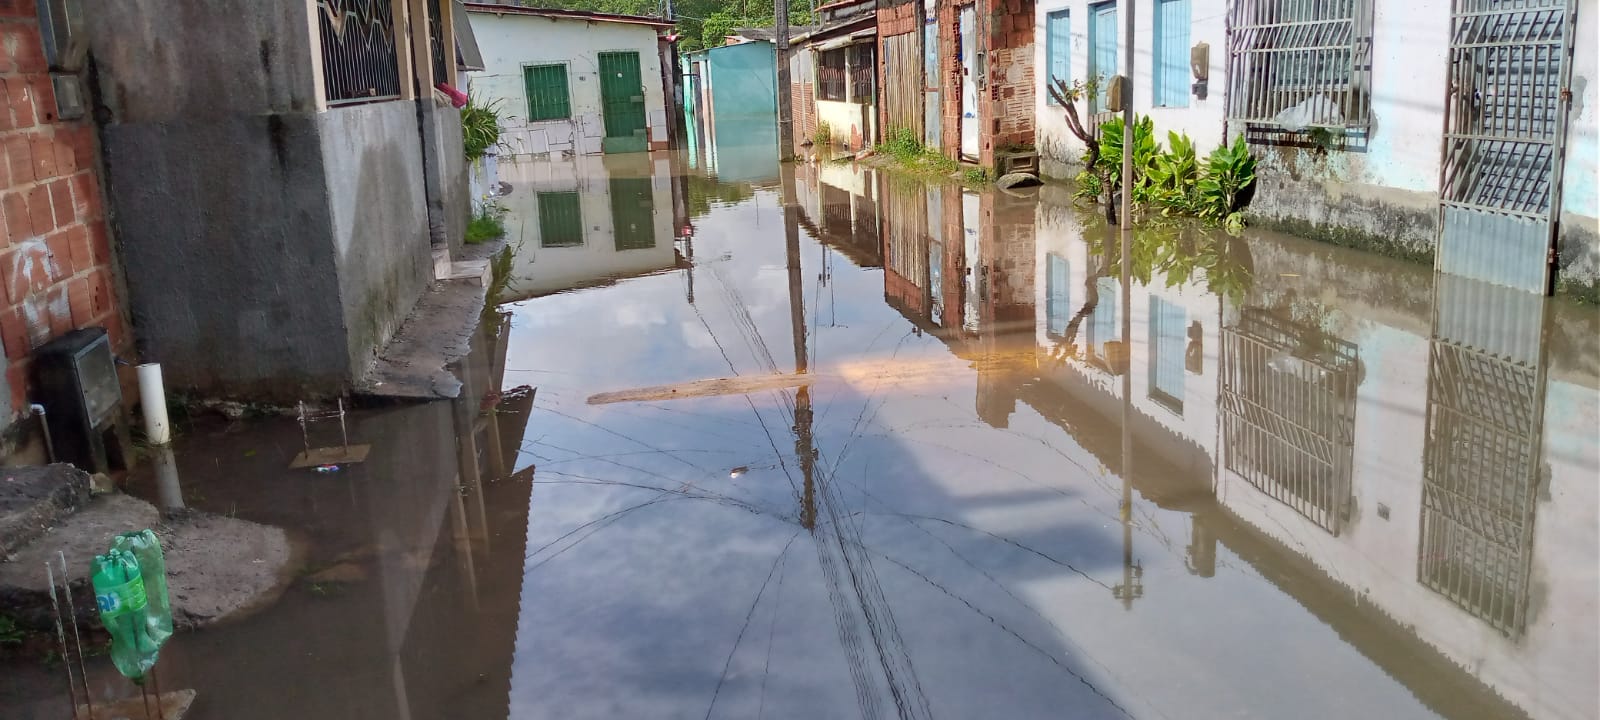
831 75
863 71
1298 64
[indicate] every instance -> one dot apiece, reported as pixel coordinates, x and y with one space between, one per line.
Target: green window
560 222
547 92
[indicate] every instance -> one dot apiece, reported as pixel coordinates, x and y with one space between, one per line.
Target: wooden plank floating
741 385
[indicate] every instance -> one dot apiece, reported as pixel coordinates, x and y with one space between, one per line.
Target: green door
632 213
622 101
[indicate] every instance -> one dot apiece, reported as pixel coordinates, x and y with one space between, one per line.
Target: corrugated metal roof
498 9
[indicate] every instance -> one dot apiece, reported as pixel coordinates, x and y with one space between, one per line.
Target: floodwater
952 467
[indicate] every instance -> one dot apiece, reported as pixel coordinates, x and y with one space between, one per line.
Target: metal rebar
155 683
144 696
72 613
61 636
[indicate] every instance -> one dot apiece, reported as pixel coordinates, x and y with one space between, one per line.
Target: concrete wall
57 272
266 246
509 42
1060 152
445 163
373 164
850 123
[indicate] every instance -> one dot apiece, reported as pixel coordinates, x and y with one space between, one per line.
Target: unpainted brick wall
55 254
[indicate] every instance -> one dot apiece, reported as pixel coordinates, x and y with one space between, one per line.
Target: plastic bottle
146 548
120 596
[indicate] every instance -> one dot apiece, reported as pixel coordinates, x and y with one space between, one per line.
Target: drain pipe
44 424
153 401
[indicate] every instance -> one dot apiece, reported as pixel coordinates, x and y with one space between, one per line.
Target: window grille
863 72
1299 64
359 63
831 75
548 97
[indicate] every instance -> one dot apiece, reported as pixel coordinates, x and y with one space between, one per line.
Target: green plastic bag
146 548
119 594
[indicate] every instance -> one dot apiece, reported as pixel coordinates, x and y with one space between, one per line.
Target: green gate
633 213
622 100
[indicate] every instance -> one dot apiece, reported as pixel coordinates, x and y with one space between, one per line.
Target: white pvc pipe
153 400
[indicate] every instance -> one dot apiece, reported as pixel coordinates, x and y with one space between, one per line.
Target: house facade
569 82
275 228
1376 123
834 72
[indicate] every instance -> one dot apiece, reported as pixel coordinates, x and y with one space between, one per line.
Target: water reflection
591 219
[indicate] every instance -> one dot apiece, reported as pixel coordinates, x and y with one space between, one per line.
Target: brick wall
1007 113
55 256
1005 109
897 19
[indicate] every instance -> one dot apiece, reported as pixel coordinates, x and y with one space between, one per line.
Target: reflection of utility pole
1132 585
797 322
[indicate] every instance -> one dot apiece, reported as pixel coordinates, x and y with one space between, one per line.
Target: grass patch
823 135
976 176
486 225
911 156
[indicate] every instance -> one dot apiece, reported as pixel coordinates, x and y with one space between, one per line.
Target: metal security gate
1504 140
622 102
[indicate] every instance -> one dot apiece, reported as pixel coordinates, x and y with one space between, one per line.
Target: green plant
480 128
10 634
823 135
902 145
975 176
1145 150
1222 190
1174 173
1089 185
487 224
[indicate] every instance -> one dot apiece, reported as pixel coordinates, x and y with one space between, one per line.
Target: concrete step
476 272
32 499
441 262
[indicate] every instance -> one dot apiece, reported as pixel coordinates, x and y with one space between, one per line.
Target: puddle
917 452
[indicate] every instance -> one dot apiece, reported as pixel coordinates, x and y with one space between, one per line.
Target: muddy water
952 467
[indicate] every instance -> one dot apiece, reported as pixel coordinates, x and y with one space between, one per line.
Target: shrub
480 128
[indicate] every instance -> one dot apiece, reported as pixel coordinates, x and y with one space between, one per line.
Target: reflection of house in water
1288 413
1381 468
588 220
1482 455
839 206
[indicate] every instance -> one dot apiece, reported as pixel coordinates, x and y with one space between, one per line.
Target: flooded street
914 451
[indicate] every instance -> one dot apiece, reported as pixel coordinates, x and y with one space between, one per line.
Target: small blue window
1058 50
1172 54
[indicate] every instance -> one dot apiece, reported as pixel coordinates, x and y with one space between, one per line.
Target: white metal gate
1505 133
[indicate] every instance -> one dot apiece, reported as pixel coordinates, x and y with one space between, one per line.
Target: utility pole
785 120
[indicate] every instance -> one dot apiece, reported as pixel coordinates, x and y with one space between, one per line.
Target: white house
1376 123
571 82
